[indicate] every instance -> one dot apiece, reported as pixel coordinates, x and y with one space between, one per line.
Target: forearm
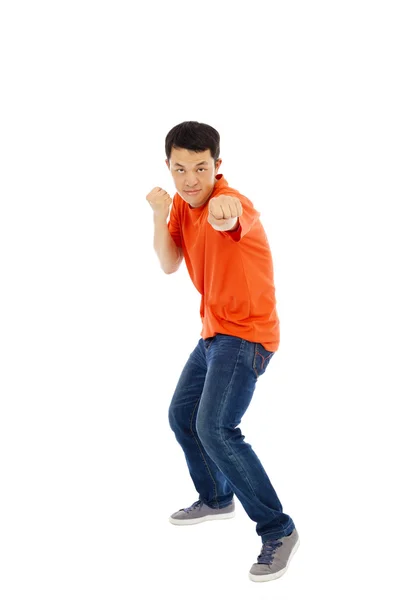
169 255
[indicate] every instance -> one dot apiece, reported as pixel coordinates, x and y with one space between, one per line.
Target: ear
217 165
167 163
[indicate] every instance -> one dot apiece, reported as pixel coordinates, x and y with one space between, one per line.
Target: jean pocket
208 341
261 359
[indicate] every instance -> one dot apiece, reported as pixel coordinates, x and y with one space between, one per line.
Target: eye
201 169
179 170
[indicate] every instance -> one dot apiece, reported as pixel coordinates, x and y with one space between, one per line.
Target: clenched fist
223 210
160 201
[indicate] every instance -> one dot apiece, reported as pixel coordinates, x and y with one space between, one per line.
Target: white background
94 335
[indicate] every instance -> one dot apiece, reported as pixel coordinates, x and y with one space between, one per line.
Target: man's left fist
224 207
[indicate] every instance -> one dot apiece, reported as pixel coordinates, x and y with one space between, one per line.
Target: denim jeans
211 397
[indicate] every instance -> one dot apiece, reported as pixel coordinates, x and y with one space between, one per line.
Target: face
193 174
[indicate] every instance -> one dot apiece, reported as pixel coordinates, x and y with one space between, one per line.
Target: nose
191 182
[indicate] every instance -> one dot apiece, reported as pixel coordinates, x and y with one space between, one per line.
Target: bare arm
228 224
169 254
224 212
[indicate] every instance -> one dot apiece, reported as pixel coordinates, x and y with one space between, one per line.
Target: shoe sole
271 576
201 519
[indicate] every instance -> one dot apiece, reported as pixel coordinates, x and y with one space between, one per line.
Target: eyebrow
203 162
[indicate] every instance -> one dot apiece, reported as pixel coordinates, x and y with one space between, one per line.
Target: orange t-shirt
232 271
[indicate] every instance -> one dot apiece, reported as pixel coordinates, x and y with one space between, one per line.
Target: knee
172 418
209 435
179 420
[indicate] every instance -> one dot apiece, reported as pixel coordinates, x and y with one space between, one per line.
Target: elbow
171 265
172 268
169 270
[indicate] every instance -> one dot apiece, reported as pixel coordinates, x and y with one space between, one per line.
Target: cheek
211 179
176 180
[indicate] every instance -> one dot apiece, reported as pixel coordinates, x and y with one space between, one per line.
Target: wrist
159 219
227 225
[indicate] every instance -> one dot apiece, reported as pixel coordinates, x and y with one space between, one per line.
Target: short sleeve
174 225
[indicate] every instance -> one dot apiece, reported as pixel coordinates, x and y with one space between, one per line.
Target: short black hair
194 136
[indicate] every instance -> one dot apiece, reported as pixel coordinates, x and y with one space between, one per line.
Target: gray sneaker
275 558
199 512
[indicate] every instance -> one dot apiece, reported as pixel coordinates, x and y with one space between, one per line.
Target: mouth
192 192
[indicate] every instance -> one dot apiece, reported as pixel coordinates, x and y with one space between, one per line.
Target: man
218 233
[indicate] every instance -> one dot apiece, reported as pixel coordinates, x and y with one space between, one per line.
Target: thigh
191 381
233 368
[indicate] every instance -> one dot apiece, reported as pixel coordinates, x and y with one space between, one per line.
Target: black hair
194 136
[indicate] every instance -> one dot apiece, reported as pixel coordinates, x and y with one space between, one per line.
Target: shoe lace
267 551
196 504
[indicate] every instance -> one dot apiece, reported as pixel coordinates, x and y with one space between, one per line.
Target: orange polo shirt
232 271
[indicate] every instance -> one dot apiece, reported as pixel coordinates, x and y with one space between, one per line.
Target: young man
218 233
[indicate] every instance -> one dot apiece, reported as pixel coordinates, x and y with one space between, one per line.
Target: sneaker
274 558
199 512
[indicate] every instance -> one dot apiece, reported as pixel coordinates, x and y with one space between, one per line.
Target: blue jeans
212 395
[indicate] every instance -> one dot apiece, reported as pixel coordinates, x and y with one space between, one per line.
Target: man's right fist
160 201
